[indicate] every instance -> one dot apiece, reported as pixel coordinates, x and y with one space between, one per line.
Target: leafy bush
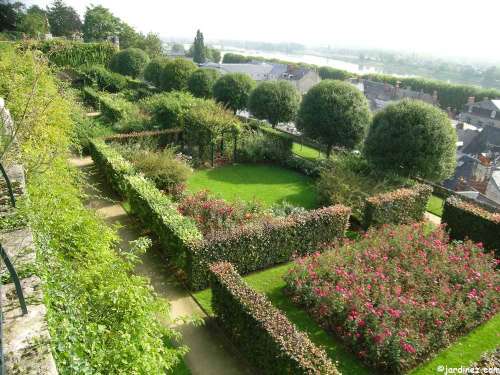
327 72
270 342
104 79
467 220
201 82
86 129
129 62
267 242
398 295
168 110
153 71
401 206
234 58
412 138
264 144
175 74
233 90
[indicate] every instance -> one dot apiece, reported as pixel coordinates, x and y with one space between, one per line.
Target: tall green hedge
397 207
467 220
262 332
267 243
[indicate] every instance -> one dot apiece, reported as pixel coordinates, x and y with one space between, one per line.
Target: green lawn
435 205
270 282
306 152
265 183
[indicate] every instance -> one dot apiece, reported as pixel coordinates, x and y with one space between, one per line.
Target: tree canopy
201 82
63 19
275 101
99 24
176 73
154 70
199 48
334 113
412 138
233 90
327 72
129 62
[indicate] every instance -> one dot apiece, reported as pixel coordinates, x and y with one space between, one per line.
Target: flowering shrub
398 295
262 332
467 220
212 215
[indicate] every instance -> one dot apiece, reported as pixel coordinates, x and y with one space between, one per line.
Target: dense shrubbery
467 220
168 110
412 138
398 295
233 90
261 331
267 242
234 58
201 82
153 71
175 74
104 79
327 72
129 62
264 144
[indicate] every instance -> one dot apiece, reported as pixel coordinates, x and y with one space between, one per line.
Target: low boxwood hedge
264 244
400 206
267 338
467 220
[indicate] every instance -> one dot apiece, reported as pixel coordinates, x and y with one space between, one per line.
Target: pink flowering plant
399 294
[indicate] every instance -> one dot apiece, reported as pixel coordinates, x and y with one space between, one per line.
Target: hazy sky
441 27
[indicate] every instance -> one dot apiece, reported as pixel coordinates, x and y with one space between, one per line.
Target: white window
493 114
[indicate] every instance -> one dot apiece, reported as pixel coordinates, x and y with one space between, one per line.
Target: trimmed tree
154 69
233 90
334 113
412 138
275 101
129 62
327 72
202 81
199 48
176 73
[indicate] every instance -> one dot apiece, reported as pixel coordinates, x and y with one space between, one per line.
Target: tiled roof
488 139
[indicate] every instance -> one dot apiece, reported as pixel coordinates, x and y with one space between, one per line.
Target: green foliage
401 206
234 58
63 19
104 79
34 24
129 62
201 82
467 220
99 24
86 129
412 138
327 72
153 70
334 113
275 101
176 74
261 331
263 244
233 90
169 109
264 144
199 56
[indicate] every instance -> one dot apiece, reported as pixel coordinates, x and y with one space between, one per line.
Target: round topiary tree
202 81
153 70
275 101
412 138
233 90
129 62
334 113
176 73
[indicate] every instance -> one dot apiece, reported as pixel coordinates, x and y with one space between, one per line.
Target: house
302 78
379 94
259 71
485 112
493 187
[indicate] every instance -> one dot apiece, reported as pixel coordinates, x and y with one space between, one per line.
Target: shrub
153 71
334 113
275 101
327 72
175 74
201 82
267 242
264 144
104 79
412 138
234 58
168 110
233 90
467 220
268 339
398 295
401 206
129 62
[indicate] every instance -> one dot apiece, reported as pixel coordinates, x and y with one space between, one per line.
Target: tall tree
10 15
99 24
199 52
233 90
34 22
63 19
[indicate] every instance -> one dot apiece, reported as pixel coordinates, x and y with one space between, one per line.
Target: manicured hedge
269 340
111 164
113 108
400 206
467 220
266 243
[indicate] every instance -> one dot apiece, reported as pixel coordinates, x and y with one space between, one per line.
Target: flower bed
398 295
262 332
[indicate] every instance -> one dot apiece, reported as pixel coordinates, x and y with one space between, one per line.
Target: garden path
209 351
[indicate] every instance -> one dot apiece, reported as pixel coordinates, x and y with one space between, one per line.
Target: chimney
471 100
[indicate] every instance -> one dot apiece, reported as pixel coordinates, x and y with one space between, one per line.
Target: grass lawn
270 282
265 183
435 205
306 152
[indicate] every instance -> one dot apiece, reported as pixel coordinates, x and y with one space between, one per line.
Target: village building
485 112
